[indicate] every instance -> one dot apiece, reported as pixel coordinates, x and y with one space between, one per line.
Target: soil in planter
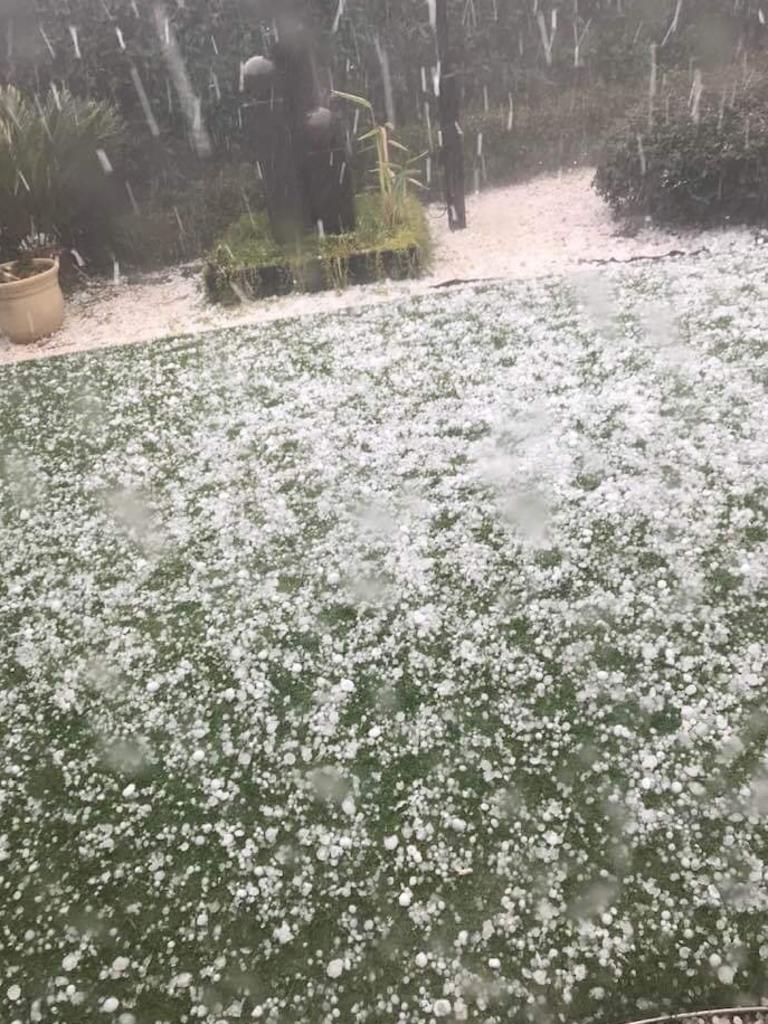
20 270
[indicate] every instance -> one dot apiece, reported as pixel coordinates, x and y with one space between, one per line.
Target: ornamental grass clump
55 168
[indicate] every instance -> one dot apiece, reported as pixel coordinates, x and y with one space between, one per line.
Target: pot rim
29 285
731 1011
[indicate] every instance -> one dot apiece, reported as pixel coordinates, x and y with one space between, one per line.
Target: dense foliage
173 72
54 168
700 157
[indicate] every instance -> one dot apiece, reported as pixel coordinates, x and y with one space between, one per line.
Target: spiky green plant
53 163
393 177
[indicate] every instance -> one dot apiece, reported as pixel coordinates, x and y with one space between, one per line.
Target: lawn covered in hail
398 665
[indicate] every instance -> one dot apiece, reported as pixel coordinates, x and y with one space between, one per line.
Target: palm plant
393 177
52 163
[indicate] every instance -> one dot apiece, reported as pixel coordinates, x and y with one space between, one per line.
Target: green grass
483 573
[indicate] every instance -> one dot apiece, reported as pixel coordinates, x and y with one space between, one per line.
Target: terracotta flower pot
31 307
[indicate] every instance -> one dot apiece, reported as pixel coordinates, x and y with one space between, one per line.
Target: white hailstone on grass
120 964
391 842
153 686
458 825
110 1004
441 1008
421 960
405 898
335 968
494 963
14 993
70 961
198 756
283 934
726 974
540 977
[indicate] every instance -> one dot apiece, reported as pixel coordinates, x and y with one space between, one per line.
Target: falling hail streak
675 22
190 104
47 42
696 92
144 100
132 197
389 96
106 164
339 15
75 41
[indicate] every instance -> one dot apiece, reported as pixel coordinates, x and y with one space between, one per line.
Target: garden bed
247 264
407 663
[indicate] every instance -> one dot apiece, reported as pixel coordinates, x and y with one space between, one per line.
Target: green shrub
248 263
679 168
55 159
180 221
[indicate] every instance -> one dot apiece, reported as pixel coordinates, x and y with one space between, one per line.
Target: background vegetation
542 82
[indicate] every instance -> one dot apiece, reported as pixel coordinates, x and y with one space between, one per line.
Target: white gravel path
544 226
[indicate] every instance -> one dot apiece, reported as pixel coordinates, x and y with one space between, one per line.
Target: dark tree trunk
452 152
